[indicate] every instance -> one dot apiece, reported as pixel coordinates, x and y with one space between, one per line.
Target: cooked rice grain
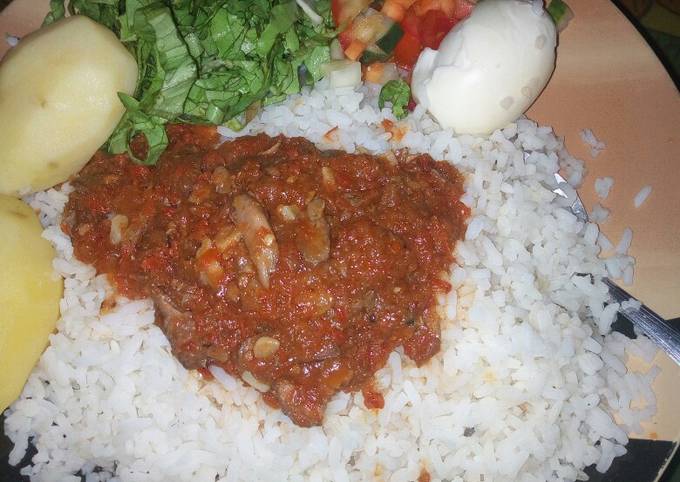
524 388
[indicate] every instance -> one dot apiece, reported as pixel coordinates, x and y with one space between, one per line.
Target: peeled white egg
489 69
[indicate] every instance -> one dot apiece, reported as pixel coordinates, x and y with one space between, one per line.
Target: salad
219 62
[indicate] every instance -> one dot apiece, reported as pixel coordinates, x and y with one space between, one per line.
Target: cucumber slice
374 54
560 13
343 73
390 39
336 50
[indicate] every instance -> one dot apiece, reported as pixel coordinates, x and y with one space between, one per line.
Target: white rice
599 213
604 243
525 387
11 40
624 242
596 145
602 186
642 196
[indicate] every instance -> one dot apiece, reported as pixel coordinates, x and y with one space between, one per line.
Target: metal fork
663 333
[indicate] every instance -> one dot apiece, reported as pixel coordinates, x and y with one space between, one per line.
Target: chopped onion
336 50
313 16
118 224
343 73
250 379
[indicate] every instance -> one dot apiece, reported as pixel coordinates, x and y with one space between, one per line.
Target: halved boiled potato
59 102
29 295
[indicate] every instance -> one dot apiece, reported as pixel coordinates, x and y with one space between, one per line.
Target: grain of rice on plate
524 388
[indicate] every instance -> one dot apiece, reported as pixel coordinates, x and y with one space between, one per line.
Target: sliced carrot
355 49
394 10
374 72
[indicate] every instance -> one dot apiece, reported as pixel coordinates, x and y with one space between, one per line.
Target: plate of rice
533 381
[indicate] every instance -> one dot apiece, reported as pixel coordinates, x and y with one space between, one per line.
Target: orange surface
608 79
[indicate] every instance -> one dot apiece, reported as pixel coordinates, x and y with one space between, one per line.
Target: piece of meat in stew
295 269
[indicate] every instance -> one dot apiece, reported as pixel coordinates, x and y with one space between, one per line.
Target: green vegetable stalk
206 62
398 93
560 13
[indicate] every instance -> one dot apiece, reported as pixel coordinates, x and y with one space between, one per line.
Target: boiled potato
59 102
29 295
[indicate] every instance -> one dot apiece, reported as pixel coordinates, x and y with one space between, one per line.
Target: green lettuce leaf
57 11
398 93
206 61
135 122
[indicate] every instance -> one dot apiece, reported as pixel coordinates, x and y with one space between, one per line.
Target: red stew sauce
295 269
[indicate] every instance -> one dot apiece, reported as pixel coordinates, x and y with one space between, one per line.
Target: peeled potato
59 102
29 295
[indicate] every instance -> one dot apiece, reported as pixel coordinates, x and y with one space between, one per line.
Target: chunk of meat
304 406
252 221
313 236
178 326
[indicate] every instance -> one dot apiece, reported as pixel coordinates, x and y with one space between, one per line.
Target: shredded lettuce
398 93
206 62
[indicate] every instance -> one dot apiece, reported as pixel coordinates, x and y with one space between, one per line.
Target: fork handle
663 333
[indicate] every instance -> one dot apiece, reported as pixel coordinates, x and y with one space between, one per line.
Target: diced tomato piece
336 10
345 38
451 8
448 7
434 27
407 51
463 9
373 399
411 104
205 373
421 7
411 23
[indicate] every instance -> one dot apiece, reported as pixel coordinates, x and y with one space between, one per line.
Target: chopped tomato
205 373
463 9
411 104
407 51
421 7
411 23
345 38
451 8
425 23
434 26
372 398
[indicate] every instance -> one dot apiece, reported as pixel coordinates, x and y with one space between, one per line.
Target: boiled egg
489 68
